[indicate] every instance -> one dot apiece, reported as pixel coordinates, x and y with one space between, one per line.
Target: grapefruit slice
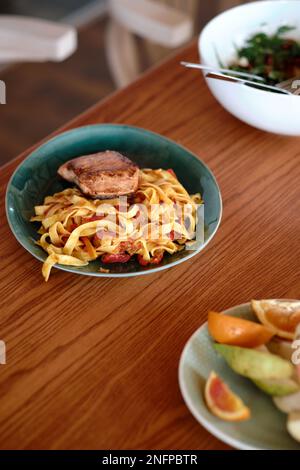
281 316
234 331
222 402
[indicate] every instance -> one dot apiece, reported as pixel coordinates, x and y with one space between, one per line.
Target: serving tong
288 87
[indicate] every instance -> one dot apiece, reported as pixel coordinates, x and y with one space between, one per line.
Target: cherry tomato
115 258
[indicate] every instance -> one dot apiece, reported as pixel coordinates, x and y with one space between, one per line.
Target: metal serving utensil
231 73
288 87
262 86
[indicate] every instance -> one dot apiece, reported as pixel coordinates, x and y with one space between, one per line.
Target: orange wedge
222 402
237 331
282 316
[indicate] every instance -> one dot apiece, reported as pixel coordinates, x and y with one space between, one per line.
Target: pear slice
278 387
254 364
289 403
293 425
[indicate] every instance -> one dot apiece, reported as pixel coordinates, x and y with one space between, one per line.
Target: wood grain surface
92 363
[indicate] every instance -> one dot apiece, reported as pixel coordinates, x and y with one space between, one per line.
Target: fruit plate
267 427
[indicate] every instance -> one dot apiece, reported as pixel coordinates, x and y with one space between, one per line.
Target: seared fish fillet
102 175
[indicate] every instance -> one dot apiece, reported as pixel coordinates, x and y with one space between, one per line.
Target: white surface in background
24 38
78 18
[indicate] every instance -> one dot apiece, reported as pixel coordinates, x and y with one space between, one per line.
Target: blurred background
117 41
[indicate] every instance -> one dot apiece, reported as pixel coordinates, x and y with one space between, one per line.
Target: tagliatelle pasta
159 218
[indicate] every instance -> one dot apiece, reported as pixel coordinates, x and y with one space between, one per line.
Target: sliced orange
222 402
235 331
282 316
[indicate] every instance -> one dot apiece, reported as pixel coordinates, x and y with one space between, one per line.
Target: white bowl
268 111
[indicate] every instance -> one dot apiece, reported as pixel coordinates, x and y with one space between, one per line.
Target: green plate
36 177
267 427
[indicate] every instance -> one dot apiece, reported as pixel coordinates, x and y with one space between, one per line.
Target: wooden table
92 363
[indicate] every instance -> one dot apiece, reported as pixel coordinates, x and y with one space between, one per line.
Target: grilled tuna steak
102 175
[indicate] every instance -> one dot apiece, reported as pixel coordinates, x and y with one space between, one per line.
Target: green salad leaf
273 57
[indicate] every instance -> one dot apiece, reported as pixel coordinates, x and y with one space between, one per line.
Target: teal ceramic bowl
266 430
37 177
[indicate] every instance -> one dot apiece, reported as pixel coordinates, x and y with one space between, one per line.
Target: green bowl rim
141 130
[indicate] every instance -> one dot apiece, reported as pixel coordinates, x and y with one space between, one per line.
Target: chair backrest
188 6
139 33
191 7
202 11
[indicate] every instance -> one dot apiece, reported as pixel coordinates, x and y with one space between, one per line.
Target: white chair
149 25
30 39
160 23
